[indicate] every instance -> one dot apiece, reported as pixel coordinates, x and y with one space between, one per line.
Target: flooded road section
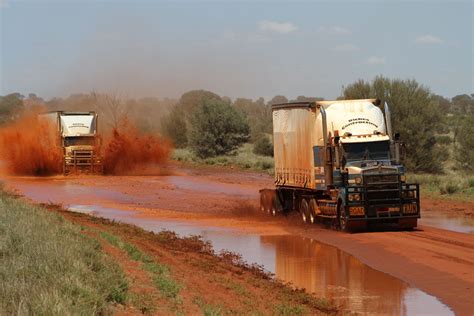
169 192
305 262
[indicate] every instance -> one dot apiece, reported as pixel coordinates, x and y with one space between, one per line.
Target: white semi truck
79 140
340 160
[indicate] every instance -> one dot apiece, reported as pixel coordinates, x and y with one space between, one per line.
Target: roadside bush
263 147
444 139
176 124
174 127
471 182
465 146
449 188
217 129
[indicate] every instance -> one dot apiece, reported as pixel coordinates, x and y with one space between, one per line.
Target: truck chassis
380 202
82 161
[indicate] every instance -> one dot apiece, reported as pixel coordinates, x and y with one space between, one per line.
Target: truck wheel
276 206
265 201
262 201
343 224
313 210
304 210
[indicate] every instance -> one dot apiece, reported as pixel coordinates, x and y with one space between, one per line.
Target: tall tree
176 124
465 143
10 106
463 104
258 114
278 99
302 98
217 128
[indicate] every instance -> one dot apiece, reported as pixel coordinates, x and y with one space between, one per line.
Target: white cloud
374 60
346 48
428 39
339 30
277 27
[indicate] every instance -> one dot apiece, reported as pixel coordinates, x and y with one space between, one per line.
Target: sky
233 48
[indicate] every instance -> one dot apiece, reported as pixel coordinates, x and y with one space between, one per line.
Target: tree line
438 132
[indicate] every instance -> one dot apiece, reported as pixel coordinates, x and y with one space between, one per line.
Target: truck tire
313 211
342 218
276 206
304 210
266 201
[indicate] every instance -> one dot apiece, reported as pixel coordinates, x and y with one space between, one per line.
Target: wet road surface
437 261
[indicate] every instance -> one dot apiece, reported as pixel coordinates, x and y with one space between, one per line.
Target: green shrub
174 127
465 139
449 188
470 182
444 139
217 129
263 147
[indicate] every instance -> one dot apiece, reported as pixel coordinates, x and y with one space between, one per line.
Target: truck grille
382 189
82 161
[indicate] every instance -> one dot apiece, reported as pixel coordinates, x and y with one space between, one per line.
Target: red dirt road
437 261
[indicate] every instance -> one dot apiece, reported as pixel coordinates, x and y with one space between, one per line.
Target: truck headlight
358 180
403 178
353 197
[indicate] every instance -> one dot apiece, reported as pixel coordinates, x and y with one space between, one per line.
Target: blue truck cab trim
407 205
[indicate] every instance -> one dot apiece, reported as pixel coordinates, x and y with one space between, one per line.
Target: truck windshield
367 151
79 141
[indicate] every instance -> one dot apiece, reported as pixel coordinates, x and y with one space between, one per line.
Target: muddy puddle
317 267
61 191
448 221
324 270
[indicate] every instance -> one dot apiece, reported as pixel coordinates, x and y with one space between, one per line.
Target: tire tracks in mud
437 261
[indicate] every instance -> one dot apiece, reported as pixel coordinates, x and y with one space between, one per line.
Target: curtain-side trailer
339 160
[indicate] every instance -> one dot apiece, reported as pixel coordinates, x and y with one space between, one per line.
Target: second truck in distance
79 141
340 160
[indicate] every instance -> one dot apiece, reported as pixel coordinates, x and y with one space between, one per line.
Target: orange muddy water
428 271
306 263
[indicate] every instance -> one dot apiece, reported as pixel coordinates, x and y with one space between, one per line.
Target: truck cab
372 185
79 140
340 160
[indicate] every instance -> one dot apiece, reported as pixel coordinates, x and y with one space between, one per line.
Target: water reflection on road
319 268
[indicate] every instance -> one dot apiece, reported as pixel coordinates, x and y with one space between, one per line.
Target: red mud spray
30 146
127 149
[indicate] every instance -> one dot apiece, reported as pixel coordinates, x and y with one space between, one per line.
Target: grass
207 309
289 310
243 158
453 186
160 274
48 266
51 263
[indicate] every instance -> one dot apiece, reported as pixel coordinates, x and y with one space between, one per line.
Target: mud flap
407 223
